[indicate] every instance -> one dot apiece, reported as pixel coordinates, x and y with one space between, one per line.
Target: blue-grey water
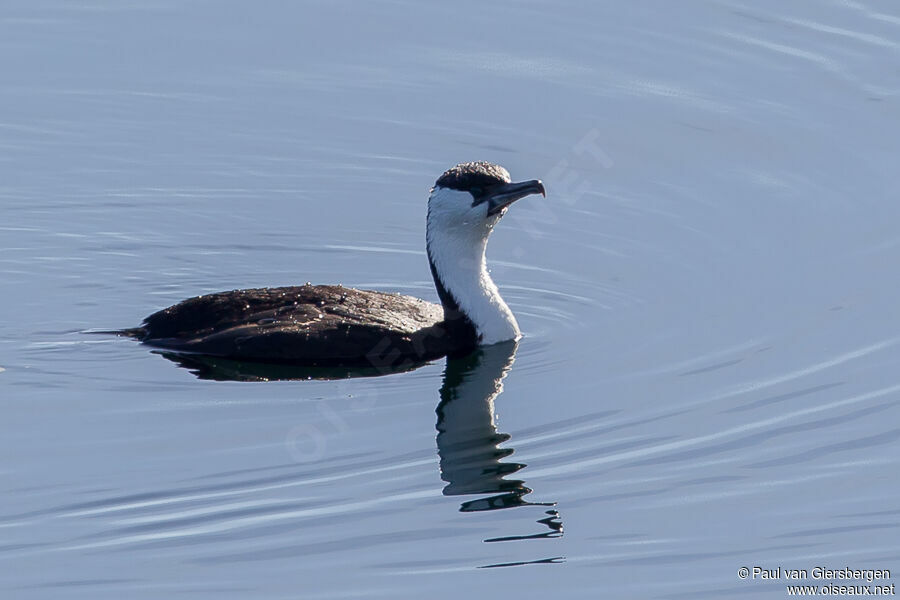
710 373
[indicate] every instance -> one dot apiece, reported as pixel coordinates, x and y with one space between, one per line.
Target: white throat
457 235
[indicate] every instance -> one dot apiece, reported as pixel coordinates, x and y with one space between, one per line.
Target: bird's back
317 325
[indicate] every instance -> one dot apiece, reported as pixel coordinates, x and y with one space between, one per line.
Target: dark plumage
477 176
322 325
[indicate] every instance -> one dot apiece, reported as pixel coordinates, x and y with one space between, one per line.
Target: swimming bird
332 325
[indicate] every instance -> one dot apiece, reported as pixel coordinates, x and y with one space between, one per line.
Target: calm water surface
709 377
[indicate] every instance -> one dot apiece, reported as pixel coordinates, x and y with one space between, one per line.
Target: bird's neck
464 285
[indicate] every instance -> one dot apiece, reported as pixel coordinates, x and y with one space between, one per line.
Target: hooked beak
501 196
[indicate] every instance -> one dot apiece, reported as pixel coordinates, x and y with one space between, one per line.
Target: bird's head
473 196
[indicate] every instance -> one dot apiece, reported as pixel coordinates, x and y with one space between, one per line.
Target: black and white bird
331 325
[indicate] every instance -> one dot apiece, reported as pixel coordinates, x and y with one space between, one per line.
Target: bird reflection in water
469 444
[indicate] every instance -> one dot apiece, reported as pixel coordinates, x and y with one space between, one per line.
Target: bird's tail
134 332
